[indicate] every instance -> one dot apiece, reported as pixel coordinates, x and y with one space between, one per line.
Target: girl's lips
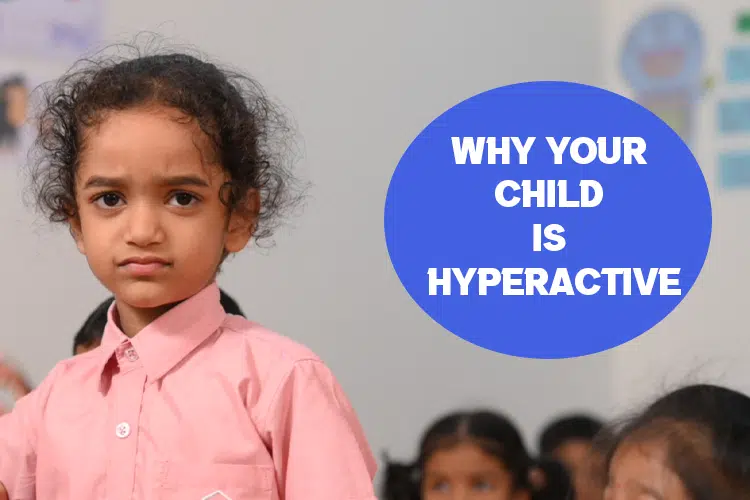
143 266
148 269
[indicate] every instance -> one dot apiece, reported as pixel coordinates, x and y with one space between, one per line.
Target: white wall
361 79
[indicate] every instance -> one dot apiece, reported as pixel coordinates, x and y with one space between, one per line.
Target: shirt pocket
213 481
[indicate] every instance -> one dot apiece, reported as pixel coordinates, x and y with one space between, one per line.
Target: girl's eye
482 486
440 486
108 200
183 200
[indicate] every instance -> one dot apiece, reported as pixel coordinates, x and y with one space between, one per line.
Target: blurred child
89 337
13 382
13 106
475 456
692 444
162 166
570 440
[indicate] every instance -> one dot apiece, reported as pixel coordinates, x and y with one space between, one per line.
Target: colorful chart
733 110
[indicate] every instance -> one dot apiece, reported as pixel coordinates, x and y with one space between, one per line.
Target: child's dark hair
248 134
568 428
706 432
92 331
230 305
497 436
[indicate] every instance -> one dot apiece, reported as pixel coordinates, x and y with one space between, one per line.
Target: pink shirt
199 405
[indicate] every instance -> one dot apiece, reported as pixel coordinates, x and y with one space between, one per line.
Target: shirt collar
171 337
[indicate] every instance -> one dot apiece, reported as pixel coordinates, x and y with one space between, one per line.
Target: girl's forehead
147 142
640 452
642 467
467 457
155 127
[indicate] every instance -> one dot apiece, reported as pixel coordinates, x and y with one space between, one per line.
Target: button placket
126 390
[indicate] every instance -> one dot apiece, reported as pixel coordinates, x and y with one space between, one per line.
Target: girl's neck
132 320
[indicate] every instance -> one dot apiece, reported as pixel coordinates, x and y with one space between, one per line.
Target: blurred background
361 80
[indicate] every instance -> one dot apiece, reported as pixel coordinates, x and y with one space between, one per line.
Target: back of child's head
573 427
90 334
247 135
692 444
570 440
481 442
230 305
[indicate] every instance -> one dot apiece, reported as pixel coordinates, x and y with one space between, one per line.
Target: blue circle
440 214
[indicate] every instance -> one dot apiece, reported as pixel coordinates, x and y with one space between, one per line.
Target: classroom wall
361 79
703 340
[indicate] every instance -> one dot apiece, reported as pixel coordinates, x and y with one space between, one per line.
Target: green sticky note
743 22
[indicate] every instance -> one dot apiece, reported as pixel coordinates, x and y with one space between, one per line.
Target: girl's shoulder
267 346
279 372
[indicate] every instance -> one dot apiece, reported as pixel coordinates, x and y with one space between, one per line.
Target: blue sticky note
737 64
734 116
734 170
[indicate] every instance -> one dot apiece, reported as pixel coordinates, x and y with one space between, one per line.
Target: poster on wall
737 64
662 61
61 29
733 109
17 126
14 98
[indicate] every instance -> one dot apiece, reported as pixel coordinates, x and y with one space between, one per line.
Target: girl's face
465 472
638 471
582 462
151 222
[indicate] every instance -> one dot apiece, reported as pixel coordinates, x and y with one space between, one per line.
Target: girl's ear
74 224
242 223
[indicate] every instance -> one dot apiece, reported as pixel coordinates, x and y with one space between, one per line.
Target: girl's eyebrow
649 491
108 182
119 182
183 180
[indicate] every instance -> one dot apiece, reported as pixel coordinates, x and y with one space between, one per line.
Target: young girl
475 456
162 166
693 444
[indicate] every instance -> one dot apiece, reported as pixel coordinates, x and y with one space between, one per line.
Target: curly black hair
249 134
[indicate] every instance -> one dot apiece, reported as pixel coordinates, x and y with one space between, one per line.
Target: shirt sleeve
318 446
18 437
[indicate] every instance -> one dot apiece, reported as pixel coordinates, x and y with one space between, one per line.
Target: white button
123 430
131 355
